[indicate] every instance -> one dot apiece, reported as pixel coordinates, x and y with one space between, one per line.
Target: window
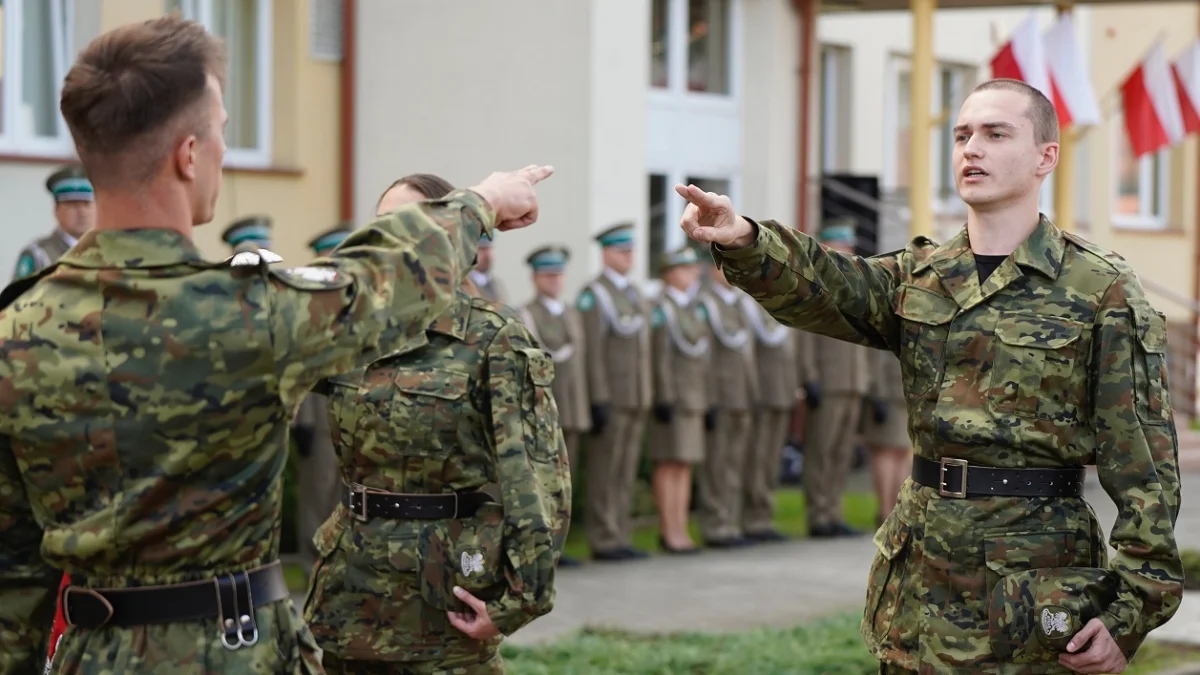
951 88
657 220
708 46
36 49
835 107
691 46
1140 192
660 40
900 134
245 25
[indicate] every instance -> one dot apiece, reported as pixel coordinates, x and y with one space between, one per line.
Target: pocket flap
892 537
1038 332
467 553
440 383
541 367
1032 615
1151 327
922 305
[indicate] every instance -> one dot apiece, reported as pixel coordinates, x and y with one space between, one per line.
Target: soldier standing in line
734 383
833 427
248 234
681 358
481 275
779 378
144 391
1027 353
318 491
617 334
886 432
75 212
559 329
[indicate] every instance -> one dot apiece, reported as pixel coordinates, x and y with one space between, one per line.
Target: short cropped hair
133 91
1041 111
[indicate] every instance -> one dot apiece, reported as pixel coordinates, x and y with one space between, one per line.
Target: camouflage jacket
144 396
468 404
1057 359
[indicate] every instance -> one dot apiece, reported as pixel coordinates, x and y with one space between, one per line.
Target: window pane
945 136
237 22
903 130
657 220
1128 199
1157 161
708 46
39 86
659 43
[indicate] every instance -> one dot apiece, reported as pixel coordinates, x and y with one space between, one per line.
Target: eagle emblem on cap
471 563
1054 624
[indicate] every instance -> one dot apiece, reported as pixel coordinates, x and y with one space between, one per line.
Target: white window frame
942 140
676 92
15 140
1143 220
676 237
835 69
259 157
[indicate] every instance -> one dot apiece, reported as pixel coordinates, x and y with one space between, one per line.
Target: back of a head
427 185
1041 110
134 92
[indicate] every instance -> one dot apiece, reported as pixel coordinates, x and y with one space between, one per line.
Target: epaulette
18 287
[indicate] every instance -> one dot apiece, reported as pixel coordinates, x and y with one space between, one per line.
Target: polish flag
1151 105
1071 85
1186 71
1023 57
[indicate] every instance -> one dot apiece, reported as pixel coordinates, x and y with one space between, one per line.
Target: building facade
282 96
623 97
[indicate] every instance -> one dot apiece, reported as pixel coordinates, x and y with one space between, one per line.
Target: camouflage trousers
889 669
335 666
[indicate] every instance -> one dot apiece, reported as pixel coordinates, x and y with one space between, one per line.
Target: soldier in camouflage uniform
1026 353
144 392
421 570
559 330
682 359
75 212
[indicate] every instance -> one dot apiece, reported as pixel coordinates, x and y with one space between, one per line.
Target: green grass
826 646
790 518
296 577
1191 569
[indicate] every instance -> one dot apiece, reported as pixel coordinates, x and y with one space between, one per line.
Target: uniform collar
681 298
954 263
132 249
552 305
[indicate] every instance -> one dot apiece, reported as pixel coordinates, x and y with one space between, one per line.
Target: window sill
53 160
280 171
32 158
1144 228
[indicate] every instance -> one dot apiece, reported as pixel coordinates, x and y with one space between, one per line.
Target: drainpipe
346 196
807 10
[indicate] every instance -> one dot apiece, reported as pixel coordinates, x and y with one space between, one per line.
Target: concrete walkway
773 585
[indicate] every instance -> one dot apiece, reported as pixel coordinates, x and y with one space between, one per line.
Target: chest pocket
1038 367
540 412
425 411
1150 364
925 325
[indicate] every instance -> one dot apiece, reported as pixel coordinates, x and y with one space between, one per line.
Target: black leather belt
956 479
365 504
228 598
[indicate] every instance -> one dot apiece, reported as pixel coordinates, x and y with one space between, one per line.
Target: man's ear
185 157
1049 159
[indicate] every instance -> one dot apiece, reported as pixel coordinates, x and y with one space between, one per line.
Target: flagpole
1064 173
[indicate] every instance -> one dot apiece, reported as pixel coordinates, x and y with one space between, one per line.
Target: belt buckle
66 605
359 514
943 464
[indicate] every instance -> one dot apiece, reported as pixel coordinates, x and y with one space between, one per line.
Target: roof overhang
829 6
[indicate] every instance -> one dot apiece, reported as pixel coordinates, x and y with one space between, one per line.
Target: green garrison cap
329 239
549 259
618 236
251 228
684 256
70 184
838 230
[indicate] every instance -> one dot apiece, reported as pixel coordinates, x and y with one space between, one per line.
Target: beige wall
302 195
1120 37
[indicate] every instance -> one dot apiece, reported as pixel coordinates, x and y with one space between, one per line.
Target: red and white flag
1023 57
1186 70
1073 96
1151 104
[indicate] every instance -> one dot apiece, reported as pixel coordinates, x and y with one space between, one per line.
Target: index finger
472 601
697 196
536 174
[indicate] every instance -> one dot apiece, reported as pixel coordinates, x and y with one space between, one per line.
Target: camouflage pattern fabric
1057 359
465 405
144 397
